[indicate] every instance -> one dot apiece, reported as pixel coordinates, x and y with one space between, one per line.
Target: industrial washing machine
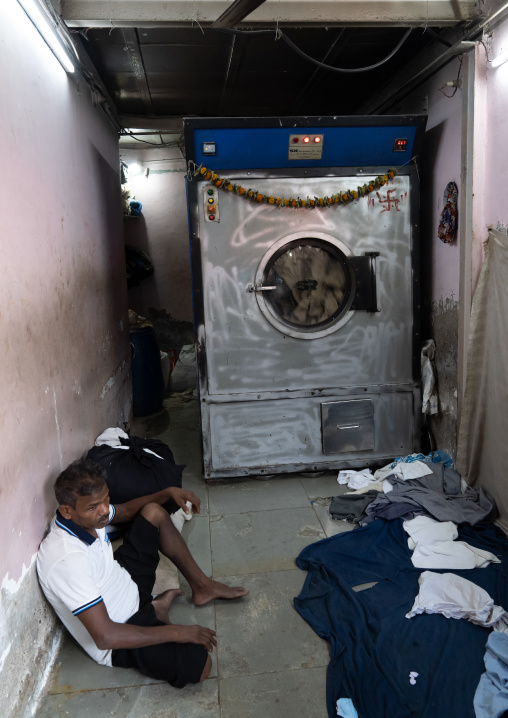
305 266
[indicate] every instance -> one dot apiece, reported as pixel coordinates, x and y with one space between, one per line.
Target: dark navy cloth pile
374 648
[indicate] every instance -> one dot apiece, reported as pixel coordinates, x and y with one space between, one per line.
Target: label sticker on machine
305 147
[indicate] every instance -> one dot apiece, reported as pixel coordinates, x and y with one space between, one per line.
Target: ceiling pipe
236 12
378 105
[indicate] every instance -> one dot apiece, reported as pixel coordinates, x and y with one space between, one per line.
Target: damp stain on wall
445 322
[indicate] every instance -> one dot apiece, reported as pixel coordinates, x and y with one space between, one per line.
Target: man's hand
128 510
196 634
108 634
181 496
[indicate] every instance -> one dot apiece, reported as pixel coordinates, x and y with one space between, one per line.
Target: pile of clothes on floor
430 638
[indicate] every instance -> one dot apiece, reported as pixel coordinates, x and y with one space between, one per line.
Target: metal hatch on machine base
306 318
347 425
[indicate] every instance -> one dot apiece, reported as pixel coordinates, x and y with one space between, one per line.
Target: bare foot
163 602
214 589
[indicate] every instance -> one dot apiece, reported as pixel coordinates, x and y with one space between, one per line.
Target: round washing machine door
305 285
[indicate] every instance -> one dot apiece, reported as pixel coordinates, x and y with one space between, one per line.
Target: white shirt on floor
434 546
455 597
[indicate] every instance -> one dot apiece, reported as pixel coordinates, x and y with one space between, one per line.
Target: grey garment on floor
438 495
351 507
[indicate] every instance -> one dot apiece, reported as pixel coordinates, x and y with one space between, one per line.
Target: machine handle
260 288
350 426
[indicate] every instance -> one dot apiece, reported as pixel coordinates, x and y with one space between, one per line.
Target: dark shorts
176 663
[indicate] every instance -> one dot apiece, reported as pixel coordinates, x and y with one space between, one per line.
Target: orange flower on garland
342 197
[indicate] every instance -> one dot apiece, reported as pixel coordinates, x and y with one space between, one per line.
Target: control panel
211 203
305 147
400 145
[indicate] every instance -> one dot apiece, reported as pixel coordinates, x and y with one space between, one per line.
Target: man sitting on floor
105 601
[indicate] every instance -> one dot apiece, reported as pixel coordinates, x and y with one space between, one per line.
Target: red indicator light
295 140
212 217
317 139
400 145
306 140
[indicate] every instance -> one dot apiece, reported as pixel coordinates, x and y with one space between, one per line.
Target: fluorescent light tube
48 32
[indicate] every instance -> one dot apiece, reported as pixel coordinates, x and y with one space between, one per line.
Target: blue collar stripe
65 528
87 605
74 530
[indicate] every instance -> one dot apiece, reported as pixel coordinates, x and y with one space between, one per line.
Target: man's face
91 512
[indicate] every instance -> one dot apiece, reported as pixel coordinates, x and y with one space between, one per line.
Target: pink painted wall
440 164
161 232
496 145
64 343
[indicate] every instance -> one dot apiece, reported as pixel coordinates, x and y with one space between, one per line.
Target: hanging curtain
482 452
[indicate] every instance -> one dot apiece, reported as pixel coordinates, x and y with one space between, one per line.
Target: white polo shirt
77 571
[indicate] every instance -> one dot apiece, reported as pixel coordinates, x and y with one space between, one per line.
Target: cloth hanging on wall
482 453
429 386
447 230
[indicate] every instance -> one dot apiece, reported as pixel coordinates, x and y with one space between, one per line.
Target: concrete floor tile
252 495
323 486
155 701
195 482
331 526
263 633
262 540
364 586
289 694
76 671
166 576
196 533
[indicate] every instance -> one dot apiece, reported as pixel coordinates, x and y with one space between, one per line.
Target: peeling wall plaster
445 324
32 634
440 163
63 310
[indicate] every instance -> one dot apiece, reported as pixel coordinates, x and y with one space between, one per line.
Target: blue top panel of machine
269 147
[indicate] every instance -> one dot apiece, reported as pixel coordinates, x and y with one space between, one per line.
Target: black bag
135 473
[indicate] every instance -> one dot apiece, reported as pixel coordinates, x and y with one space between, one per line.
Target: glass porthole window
308 285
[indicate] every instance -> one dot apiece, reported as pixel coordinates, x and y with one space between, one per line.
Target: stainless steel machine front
306 319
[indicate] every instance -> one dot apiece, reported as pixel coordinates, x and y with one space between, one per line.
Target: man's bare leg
173 546
206 670
162 604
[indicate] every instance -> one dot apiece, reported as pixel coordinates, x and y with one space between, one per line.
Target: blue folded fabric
346 709
135 207
434 457
374 648
491 697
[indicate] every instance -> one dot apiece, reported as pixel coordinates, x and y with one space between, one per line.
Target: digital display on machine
209 148
305 147
400 145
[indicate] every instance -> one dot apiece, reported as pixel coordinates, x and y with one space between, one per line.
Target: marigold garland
343 197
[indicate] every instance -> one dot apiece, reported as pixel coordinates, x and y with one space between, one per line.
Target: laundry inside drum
311 283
